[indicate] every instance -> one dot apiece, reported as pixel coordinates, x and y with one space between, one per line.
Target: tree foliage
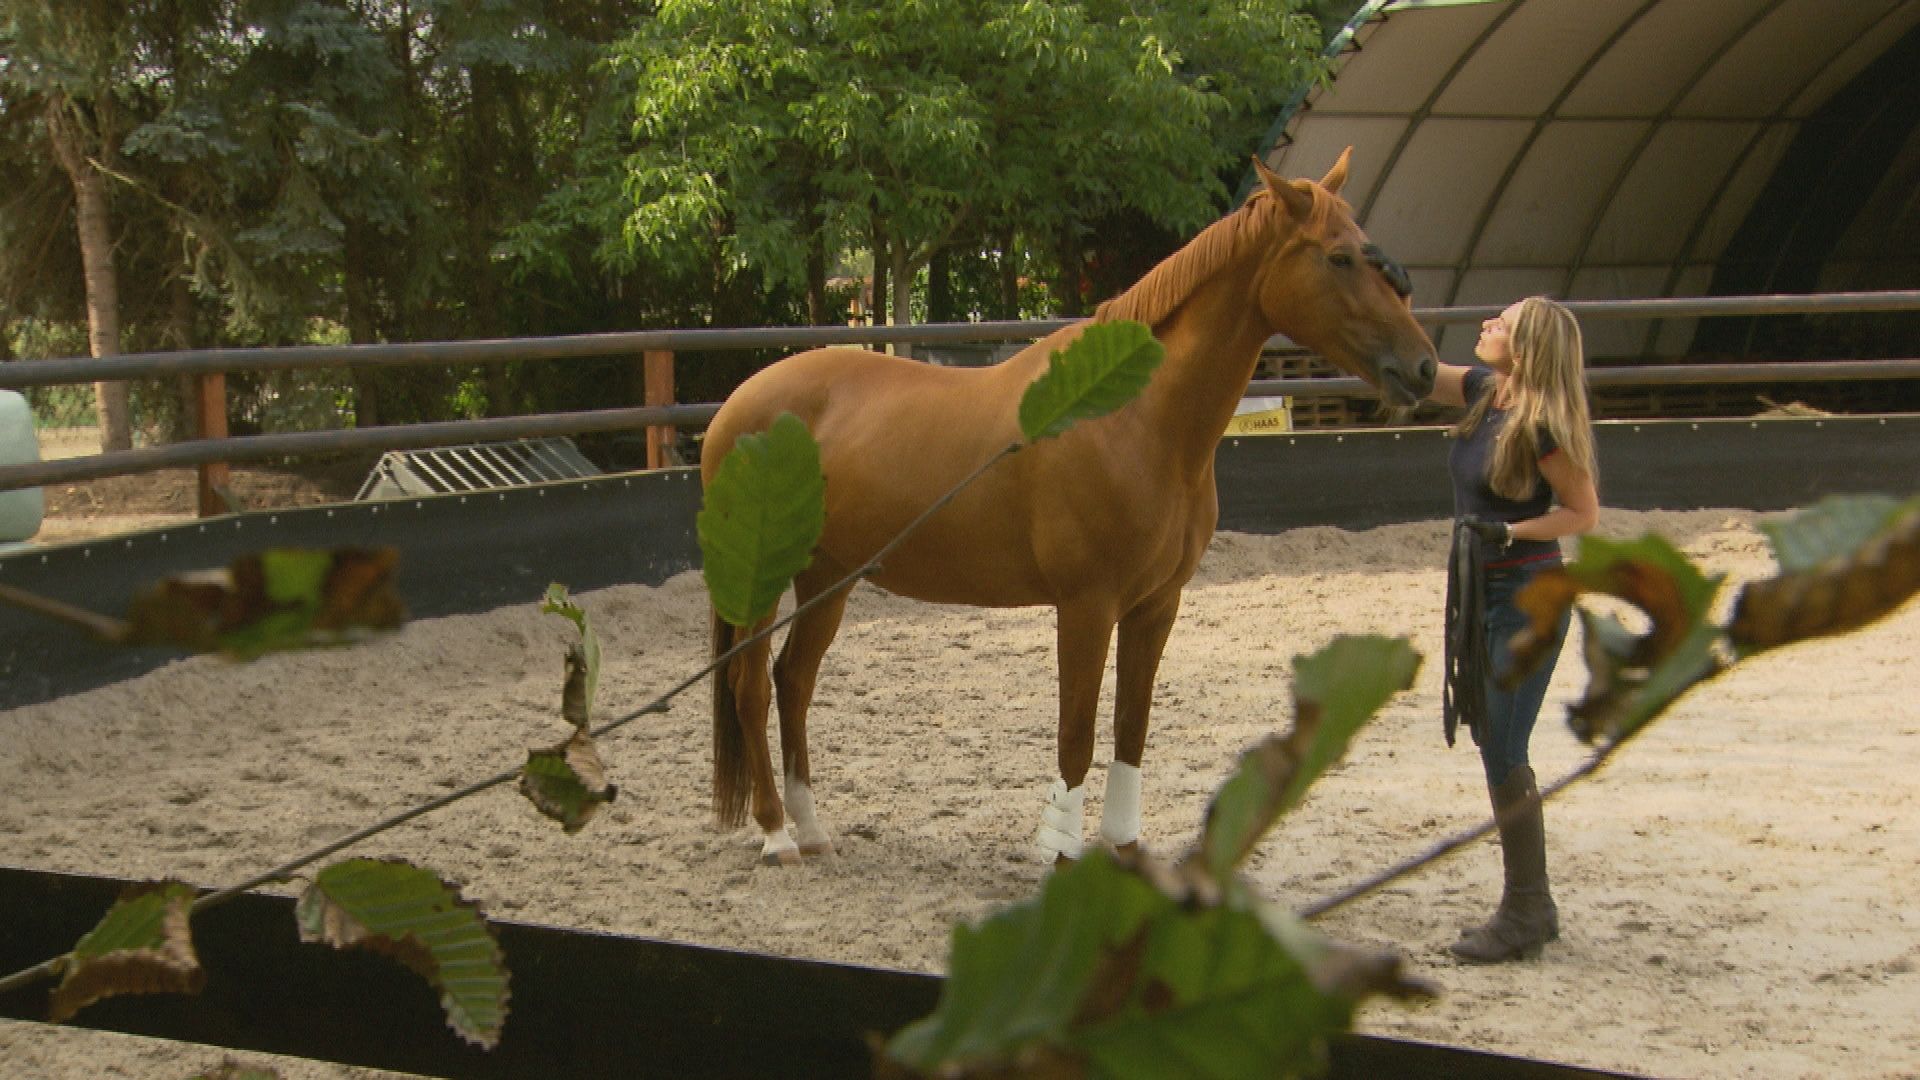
286 171
770 137
282 171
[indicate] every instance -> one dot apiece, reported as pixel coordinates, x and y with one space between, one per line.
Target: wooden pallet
1324 412
1312 412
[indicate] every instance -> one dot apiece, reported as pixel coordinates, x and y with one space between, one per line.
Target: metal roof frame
1762 67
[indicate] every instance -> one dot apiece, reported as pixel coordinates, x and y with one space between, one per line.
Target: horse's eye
1340 259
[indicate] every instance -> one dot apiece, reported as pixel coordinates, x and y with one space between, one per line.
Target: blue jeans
1511 713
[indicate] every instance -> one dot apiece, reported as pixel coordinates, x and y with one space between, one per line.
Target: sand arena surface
1736 890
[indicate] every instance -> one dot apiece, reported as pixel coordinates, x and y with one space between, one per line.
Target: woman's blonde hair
1546 389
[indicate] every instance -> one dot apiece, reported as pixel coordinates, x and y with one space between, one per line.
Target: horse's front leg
1083 631
1143 638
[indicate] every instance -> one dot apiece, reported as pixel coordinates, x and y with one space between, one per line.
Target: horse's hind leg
752 695
794 675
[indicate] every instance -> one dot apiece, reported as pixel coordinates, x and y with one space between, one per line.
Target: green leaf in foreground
1335 691
1835 528
281 598
1121 969
1017 981
1632 677
760 519
582 680
1846 562
1218 997
567 782
1623 695
1101 370
143 945
402 911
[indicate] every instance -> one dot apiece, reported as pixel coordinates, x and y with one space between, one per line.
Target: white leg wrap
806 824
1120 814
1060 822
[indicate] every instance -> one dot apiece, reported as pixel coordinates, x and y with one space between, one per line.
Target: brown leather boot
1526 919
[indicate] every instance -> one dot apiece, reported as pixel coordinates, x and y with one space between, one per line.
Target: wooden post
214 476
657 368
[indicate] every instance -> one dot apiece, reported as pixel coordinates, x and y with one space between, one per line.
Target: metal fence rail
299 444
659 416
15 376
1785 371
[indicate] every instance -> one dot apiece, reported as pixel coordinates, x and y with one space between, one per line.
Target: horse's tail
731 781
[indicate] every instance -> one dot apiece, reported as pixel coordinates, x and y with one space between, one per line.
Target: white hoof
779 849
814 841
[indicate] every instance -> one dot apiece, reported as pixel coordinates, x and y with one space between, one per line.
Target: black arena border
459 554
476 552
584 1005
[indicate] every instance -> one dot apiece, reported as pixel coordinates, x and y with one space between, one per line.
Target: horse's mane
1167 286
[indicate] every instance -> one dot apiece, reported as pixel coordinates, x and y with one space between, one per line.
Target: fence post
657 374
214 475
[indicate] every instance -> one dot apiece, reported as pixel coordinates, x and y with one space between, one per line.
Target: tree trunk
186 423
816 266
902 310
483 151
1070 300
356 290
880 264
940 287
96 260
1009 278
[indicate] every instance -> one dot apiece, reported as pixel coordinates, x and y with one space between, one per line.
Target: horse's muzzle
1407 384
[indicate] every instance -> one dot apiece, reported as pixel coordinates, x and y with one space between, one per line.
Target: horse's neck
1213 342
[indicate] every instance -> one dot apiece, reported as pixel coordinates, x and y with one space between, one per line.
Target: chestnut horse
1104 524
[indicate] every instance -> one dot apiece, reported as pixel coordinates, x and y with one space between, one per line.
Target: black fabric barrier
470 553
458 554
583 1005
1360 479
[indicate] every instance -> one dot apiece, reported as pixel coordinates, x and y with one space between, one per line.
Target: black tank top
1473 496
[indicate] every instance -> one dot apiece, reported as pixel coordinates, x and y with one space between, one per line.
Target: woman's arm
1449 385
1578 508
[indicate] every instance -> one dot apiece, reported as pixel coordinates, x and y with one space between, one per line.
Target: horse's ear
1293 194
1336 177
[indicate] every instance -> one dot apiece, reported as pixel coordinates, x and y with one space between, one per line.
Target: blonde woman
1523 470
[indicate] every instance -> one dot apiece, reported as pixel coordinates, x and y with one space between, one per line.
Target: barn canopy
1594 149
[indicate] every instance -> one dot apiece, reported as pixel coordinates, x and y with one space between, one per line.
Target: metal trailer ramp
445 470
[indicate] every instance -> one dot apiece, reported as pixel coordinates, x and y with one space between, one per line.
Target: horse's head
1334 292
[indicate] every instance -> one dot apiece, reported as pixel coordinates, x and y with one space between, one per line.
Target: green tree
281 170
77 66
771 135
1133 117
357 164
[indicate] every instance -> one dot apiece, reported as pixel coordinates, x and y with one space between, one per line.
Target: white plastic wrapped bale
22 508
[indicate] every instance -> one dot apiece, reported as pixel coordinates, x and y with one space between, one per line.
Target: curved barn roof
1614 148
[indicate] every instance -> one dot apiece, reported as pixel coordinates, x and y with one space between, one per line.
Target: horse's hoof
778 849
813 848
1062 861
